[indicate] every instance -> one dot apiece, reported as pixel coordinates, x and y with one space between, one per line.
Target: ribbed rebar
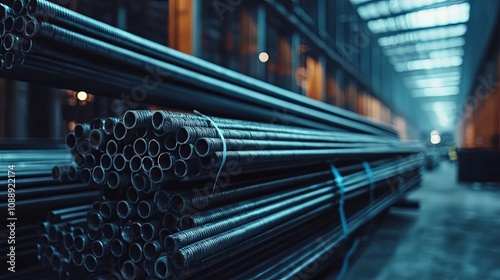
137 119
185 237
204 248
158 201
181 203
218 214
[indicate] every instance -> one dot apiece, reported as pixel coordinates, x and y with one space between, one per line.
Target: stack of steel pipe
184 195
40 38
29 193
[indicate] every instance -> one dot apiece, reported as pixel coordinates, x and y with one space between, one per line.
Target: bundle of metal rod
41 37
317 243
58 244
161 215
149 148
30 193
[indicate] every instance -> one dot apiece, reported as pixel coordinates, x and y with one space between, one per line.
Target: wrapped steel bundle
183 194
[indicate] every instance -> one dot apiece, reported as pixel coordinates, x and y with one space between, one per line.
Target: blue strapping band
345 264
340 183
224 146
371 178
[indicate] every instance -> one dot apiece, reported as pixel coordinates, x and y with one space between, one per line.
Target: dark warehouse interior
237 139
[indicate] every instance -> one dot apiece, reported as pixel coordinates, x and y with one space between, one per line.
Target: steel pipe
118 247
146 209
109 125
131 270
162 267
126 210
135 252
152 249
117 180
150 230
120 163
100 248
140 146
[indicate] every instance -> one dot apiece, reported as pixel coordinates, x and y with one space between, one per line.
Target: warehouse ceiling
424 41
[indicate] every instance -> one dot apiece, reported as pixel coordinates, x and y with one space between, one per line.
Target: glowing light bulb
264 57
82 96
435 139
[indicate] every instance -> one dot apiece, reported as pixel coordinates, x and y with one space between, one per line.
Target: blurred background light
264 57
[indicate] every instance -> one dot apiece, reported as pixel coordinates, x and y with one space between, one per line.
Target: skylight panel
435 82
434 92
453 14
423 35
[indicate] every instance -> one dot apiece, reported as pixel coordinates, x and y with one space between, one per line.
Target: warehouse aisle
454 235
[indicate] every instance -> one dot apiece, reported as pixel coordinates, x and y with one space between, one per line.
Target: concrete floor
455 235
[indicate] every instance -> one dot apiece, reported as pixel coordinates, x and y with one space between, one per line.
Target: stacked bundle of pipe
162 215
30 192
41 38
